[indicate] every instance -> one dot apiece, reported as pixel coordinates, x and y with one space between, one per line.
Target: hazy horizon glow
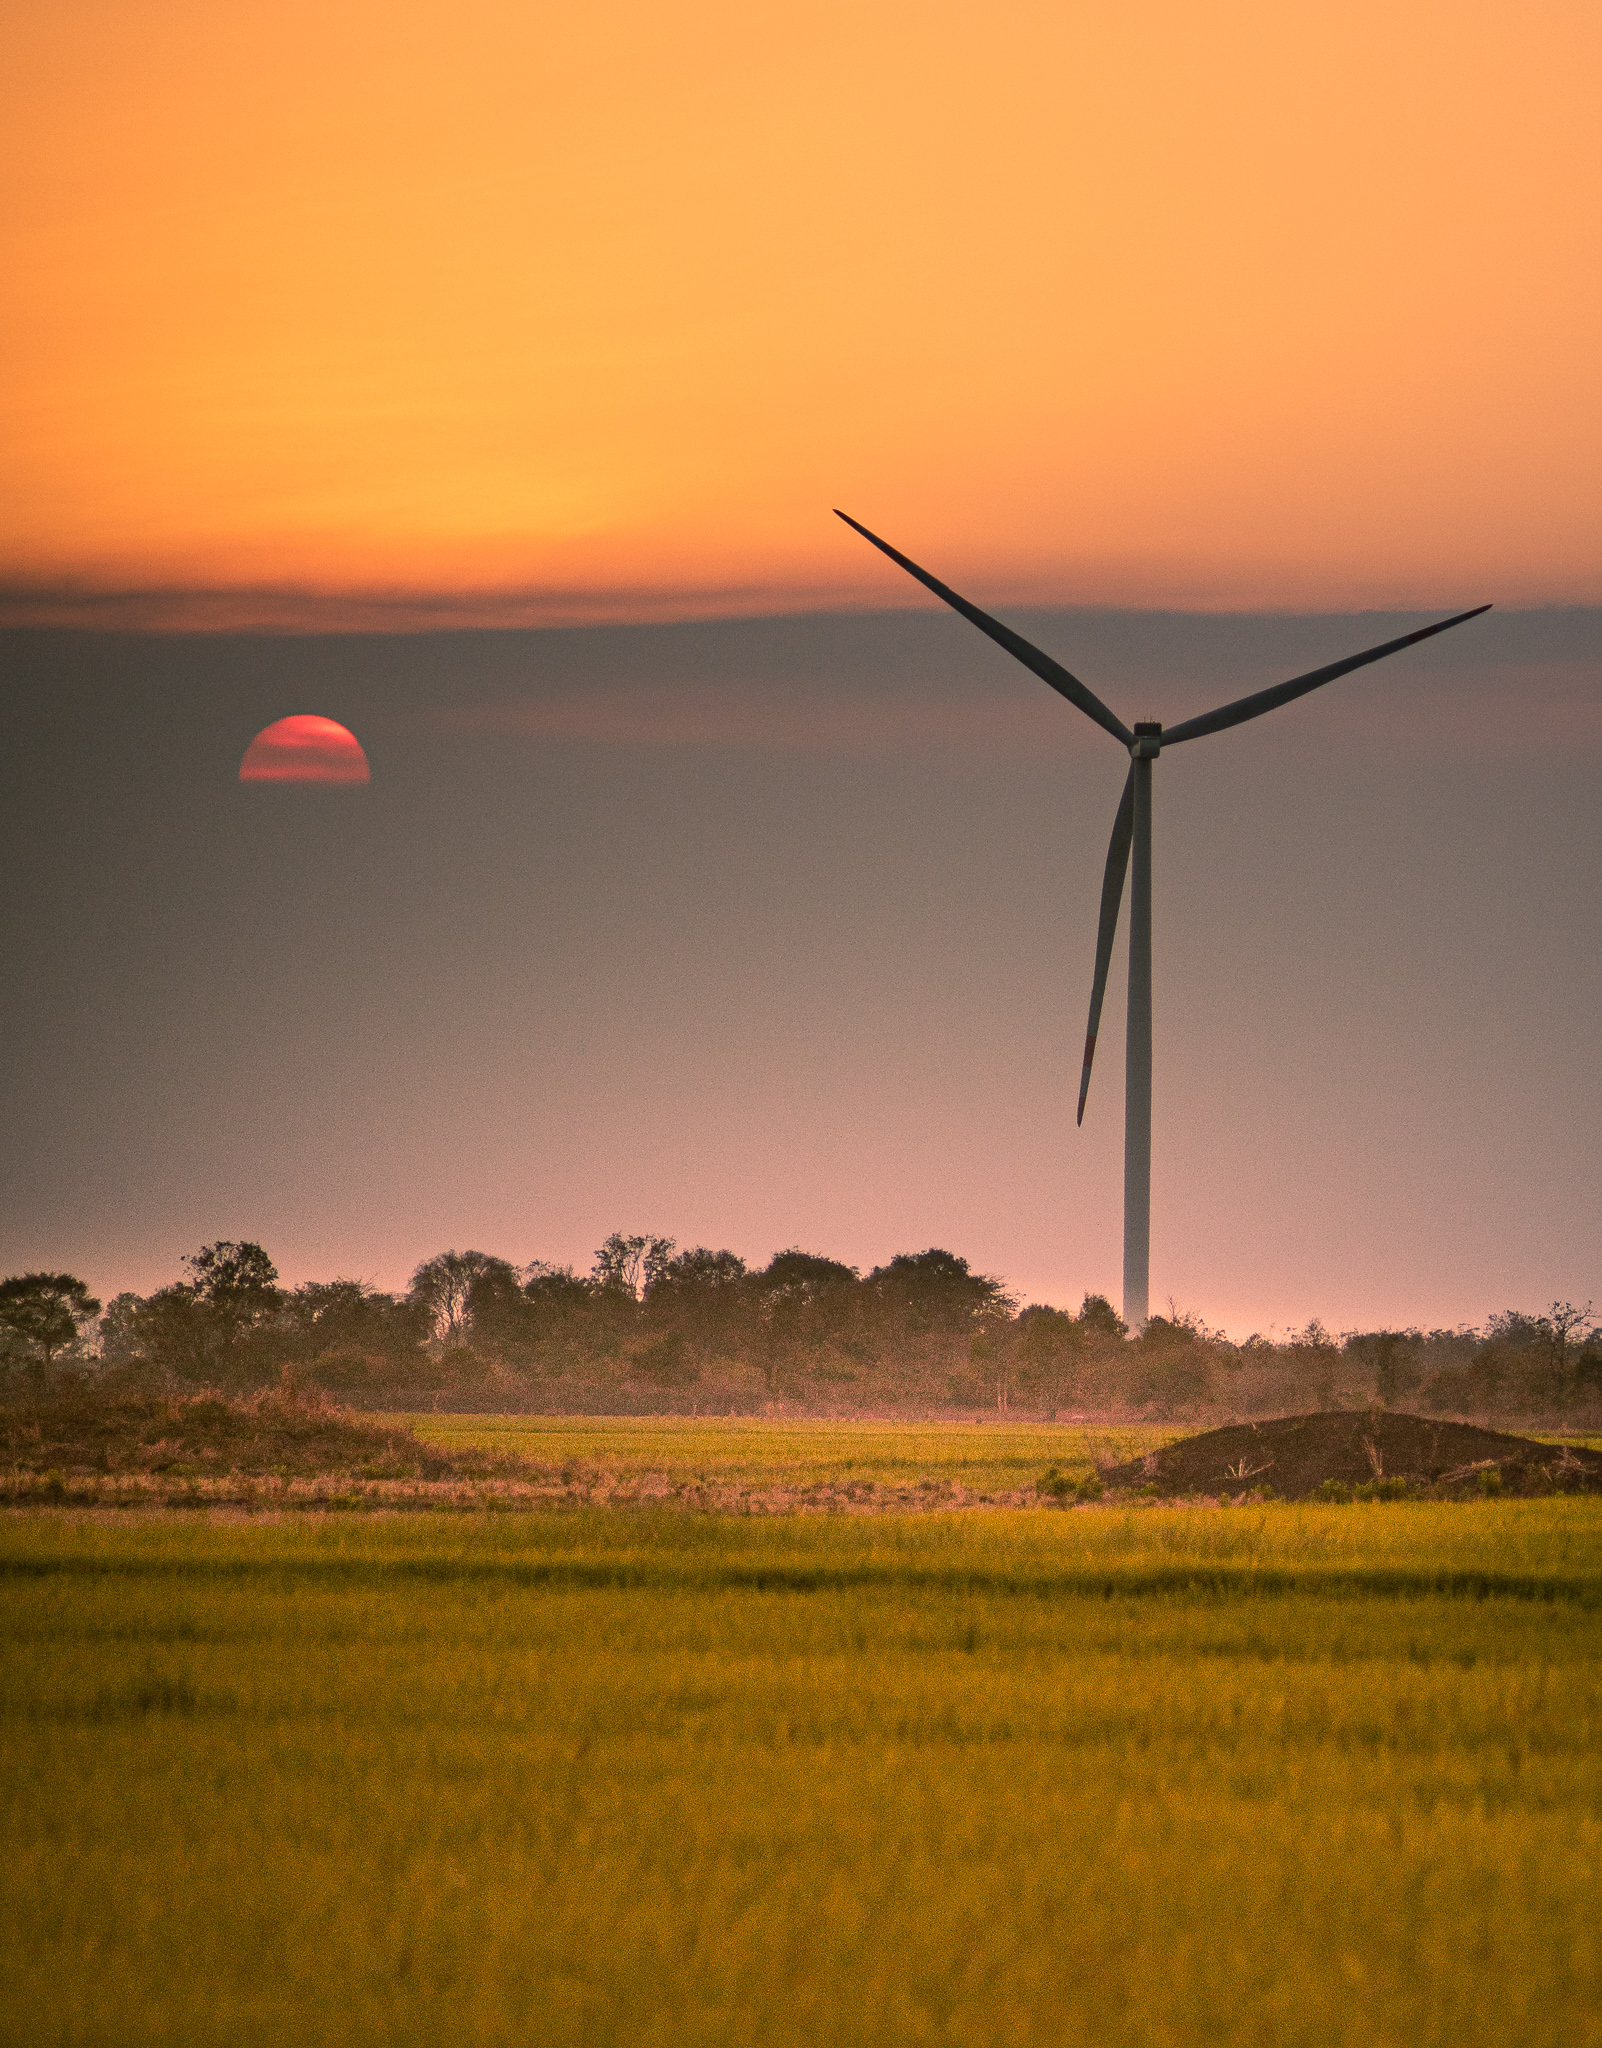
774 932
419 316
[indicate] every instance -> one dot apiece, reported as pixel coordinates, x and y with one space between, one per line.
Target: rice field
741 1455
1268 1776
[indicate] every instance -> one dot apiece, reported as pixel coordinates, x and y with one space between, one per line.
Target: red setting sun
304 749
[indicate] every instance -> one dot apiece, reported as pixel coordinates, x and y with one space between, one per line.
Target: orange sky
505 311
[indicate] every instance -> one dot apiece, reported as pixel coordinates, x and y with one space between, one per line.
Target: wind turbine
1132 830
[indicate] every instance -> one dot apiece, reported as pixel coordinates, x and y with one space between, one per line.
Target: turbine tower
1131 833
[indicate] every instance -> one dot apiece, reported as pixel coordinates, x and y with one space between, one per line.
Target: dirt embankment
1367 1454
91 1436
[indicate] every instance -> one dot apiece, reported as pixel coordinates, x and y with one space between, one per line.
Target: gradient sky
496 312
761 932
481 376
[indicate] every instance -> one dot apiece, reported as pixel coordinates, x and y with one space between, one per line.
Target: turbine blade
1283 693
1112 894
1049 671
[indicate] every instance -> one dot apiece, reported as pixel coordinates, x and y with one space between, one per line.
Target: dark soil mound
90 1432
1368 1454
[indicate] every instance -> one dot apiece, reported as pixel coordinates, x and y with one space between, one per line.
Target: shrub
1334 1490
666 1363
460 1366
1059 1485
344 1366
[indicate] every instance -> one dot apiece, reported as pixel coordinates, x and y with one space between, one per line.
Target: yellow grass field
1269 1776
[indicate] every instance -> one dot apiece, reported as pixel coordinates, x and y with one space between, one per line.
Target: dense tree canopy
650 1324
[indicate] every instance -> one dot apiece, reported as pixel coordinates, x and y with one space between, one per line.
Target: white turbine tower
1132 831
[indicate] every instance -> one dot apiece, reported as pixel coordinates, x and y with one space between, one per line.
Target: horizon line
303 609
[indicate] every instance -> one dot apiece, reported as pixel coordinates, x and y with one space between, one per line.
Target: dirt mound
1369 1454
79 1434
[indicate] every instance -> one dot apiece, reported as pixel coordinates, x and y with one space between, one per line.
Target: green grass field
759 1454
1269 1776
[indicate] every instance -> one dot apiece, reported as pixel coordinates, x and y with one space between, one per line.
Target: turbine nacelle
1147 743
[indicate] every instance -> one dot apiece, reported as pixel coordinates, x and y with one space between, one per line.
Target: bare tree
629 1265
1567 1324
441 1286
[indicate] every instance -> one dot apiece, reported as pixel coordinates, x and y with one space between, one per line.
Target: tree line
653 1325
